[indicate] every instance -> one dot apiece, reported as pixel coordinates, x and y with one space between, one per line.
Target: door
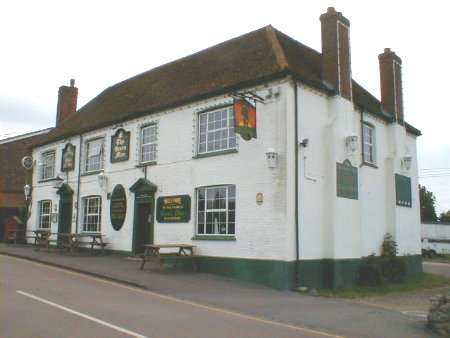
65 214
143 221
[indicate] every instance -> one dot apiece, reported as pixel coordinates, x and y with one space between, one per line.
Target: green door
143 221
65 209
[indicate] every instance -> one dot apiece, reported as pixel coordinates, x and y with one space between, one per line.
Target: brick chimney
391 84
67 102
336 65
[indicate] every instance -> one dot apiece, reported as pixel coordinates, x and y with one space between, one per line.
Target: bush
393 269
370 273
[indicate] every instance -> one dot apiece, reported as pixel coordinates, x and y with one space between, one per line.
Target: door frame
142 187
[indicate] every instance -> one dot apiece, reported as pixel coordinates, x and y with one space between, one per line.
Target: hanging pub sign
68 158
346 180
403 191
244 118
173 209
118 207
120 146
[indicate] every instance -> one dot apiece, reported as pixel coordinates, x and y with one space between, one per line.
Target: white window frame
205 134
369 143
153 142
205 211
86 214
87 166
44 217
47 170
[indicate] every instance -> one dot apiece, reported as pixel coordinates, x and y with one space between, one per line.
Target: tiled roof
249 59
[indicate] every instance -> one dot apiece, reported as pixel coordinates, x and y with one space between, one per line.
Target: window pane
216 130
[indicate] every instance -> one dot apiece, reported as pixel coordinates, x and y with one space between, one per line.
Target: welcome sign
173 209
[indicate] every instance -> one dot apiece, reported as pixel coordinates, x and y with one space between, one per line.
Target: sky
99 43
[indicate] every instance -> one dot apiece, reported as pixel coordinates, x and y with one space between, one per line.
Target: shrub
393 269
389 247
370 272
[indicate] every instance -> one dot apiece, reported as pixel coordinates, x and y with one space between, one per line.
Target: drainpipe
78 184
297 245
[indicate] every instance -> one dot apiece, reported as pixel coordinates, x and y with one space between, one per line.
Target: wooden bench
152 252
96 241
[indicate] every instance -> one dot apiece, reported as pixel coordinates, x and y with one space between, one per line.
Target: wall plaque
173 209
403 191
347 180
120 146
68 158
118 207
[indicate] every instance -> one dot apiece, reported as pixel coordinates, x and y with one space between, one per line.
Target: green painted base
317 273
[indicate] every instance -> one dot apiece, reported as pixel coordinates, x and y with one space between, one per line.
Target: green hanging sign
403 191
346 180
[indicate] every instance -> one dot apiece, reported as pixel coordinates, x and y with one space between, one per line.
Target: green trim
146 164
213 238
216 153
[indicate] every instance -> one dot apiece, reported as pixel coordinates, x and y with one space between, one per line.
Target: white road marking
82 315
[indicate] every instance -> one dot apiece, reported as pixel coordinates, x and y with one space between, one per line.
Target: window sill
96 172
146 164
216 153
213 238
369 164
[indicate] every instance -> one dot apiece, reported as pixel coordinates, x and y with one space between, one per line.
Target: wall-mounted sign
27 162
68 158
120 146
403 191
173 209
54 217
347 180
244 118
118 207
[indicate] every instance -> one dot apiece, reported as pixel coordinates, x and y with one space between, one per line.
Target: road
437 268
37 300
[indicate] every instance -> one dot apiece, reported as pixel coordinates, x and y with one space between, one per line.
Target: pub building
262 152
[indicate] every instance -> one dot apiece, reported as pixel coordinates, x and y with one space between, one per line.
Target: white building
331 171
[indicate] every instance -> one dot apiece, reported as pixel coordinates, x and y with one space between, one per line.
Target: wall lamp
102 181
351 143
407 161
27 191
272 158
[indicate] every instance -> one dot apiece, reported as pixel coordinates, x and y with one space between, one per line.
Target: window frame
86 214
43 168
141 144
227 211
372 146
42 215
86 155
231 133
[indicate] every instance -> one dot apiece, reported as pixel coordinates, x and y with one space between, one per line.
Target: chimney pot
72 82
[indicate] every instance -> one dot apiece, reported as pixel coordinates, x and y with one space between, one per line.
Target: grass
439 258
426 281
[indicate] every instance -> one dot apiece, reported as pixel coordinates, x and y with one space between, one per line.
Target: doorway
65 209
143 230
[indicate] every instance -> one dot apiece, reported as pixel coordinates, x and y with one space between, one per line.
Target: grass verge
426 281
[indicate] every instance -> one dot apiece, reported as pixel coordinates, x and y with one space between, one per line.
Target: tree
427 205
445 216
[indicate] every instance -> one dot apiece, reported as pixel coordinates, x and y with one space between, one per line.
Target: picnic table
68 241
42 238
153 252
95 240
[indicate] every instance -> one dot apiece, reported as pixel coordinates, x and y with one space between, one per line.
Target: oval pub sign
118 207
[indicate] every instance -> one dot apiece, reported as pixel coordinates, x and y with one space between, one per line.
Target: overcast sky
99 43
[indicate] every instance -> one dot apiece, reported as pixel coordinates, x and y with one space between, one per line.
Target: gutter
297 244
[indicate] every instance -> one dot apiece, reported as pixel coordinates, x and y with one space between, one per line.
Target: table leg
144 258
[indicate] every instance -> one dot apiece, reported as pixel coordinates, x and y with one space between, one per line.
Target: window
149 140
47 165
45 210
216 130
94 155
369 154
92 213
216 210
